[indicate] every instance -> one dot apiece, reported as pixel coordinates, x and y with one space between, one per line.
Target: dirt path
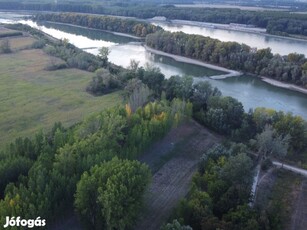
183 146
295 198
299 216
294 169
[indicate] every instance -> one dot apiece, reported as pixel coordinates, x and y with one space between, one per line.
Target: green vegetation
5 47
232 55
290 68
220 192
128 26
58 159
276 22
34 99
10 34
276 201
110 195
90 166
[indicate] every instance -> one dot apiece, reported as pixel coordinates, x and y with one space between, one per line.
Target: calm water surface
279 45
249 90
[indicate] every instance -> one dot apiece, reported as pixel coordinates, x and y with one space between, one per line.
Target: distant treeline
10 34
120 25
276 22
70 54
291 68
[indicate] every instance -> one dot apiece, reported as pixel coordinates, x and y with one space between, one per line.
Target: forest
137 28
51 174
291 68
91 168
275 22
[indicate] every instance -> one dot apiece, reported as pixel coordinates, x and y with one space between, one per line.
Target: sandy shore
253 30
230 73
283 85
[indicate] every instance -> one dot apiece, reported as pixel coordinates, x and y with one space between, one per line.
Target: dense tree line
226 115
73 56
85 166
10 34
220 195
52 164
290 68
276 22
223 114
102 192
137 28
220 192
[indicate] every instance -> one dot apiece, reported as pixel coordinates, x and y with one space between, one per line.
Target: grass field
21 42
32 98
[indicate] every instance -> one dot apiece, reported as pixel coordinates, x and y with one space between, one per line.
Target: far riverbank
230 73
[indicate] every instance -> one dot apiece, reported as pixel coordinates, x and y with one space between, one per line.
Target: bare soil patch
171 181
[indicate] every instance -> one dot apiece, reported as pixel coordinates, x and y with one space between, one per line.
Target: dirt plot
183 147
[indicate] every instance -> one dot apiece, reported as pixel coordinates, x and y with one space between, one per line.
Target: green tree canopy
109 196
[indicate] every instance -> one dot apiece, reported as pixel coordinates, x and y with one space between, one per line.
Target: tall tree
110 195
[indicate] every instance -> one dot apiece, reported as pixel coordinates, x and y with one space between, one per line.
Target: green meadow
33 99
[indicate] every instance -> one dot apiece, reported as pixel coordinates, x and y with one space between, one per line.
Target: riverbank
283 85
227 27
230 73
107 31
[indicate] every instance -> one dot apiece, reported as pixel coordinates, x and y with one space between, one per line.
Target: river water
281 45
251 91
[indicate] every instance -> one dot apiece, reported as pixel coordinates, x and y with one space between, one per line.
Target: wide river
251 91
281 45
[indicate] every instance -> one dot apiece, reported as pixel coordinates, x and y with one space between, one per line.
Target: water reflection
249 90
279 45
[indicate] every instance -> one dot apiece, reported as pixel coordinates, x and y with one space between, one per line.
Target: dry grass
21 42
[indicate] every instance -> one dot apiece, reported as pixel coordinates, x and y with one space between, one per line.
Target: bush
266 164
5 47
38 44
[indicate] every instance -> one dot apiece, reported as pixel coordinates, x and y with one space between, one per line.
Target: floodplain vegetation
291 68
88 165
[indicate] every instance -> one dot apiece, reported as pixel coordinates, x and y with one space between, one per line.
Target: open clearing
299 216
181 149
23 42
32 98
290 190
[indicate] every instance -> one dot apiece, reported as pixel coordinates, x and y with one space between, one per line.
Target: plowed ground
173 161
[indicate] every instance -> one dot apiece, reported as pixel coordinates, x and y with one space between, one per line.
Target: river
281 45
251 91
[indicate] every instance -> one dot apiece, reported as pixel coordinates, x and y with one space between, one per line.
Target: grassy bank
32 98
